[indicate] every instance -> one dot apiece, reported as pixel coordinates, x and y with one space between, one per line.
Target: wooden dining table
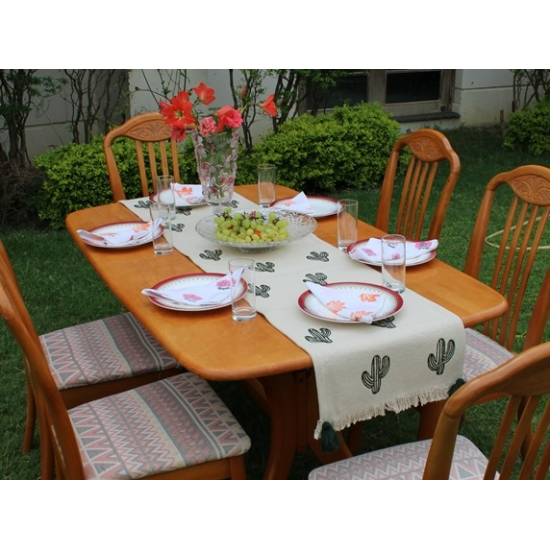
277 372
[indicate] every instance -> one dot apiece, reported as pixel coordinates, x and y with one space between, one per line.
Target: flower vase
216 156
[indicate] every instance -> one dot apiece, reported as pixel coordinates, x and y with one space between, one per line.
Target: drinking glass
348 212
165 193
243 271
162 242
266 184
394 262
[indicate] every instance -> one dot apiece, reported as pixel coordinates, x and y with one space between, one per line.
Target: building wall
481 95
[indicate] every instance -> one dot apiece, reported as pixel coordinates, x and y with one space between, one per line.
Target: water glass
266 184
348 214
394 262
162 241
243 304
165 193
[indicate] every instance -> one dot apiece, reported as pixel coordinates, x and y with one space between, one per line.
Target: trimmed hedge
529 130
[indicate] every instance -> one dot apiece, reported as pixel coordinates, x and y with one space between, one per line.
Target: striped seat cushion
404 462
109 349
161 427
482 354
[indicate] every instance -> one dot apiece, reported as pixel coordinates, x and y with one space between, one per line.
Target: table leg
280 392
429 416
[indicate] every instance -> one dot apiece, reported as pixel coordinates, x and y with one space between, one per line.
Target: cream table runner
361 370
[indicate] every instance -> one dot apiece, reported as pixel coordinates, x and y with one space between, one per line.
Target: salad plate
114 228
310 305
322 206
188 281
418 260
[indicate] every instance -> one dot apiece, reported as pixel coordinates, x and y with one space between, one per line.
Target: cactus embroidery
318 278
321 336
215 255
379 370
443 355
318 256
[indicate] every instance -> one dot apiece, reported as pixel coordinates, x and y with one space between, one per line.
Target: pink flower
230 117
207 126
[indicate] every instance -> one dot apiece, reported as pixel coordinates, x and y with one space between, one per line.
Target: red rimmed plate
190 280
310 305
119 227
322 206
422 259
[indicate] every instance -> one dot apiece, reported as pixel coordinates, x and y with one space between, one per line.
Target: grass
62 289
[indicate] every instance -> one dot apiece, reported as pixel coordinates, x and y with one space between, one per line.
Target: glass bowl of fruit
255 230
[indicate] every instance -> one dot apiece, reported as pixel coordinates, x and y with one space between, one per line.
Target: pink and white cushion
404 462
161 427
482 354
109 349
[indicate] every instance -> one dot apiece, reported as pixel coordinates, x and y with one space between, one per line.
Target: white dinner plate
117 228
312 306
322 206
422 259
186 281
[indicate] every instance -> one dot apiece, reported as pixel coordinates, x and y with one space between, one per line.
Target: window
403 92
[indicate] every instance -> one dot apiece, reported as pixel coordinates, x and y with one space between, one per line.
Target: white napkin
372 250
356 305
134 235
187 195
213 292
299 204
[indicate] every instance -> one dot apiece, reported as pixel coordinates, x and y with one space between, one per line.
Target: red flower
269 106
178 111
204 94
228 116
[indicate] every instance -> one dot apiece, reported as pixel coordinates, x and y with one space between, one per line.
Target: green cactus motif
443 355
379 370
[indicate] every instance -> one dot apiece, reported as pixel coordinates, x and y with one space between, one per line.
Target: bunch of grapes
251 227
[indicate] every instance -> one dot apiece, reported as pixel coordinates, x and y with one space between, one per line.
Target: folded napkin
299 204
187 195
354 305
372 250
138 233
213 292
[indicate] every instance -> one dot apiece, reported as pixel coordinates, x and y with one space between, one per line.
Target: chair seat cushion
161 427
404 462
109 349
482 354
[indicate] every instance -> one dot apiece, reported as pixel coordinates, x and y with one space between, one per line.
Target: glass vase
216 157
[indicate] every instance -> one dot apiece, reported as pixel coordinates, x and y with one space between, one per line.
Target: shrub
348 148
529 130
75 177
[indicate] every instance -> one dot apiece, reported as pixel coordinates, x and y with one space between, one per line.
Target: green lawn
62 289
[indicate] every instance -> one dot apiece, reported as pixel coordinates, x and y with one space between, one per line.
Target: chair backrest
525 194
45 391
149 133
428 149
525 380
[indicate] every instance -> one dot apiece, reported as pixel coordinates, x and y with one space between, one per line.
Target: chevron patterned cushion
109 349
482 354
404 462
161 427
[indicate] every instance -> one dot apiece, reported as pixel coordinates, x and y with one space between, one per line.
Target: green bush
529 130
75 177
347 149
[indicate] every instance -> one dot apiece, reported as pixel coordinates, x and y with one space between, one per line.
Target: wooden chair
175 428
525 380
87 361
428 149
525 192
147 130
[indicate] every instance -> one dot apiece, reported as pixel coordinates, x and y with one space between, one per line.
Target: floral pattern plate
422 259
313 307
322 206
186 281
116 228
